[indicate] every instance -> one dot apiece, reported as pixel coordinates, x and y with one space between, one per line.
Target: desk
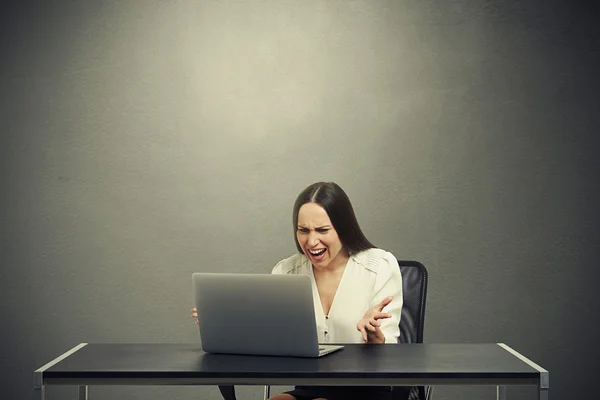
358 364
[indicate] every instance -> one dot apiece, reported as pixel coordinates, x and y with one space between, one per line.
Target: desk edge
38 374
544 375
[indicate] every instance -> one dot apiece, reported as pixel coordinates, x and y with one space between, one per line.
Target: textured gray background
143 141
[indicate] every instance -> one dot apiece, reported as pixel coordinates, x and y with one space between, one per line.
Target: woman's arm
388 283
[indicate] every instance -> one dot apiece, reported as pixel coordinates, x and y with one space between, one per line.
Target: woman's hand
369 325
195 314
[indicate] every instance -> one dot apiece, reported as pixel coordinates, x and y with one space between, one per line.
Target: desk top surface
359 360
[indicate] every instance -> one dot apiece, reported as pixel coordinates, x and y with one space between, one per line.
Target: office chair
412 322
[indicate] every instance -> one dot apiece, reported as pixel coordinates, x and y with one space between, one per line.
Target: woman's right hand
195 314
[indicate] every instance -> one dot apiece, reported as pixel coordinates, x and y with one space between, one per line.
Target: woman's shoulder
375 259
291 264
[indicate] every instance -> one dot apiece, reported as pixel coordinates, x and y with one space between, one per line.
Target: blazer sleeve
278 269
389 283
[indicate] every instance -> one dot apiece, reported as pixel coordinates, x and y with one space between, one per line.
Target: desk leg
501 392
543 394
83 393
267 391
40 392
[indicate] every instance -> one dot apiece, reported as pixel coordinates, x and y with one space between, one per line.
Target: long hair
339 209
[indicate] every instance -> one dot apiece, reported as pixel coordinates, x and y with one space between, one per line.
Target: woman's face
317 237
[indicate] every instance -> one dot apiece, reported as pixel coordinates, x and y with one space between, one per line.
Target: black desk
358 364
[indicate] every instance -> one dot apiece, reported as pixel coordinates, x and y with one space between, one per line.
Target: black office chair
228 392
412 322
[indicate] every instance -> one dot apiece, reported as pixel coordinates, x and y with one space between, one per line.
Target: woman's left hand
369 325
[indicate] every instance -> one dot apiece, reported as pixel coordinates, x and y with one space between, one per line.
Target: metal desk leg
38 374
501 392
83 393
543 393
267 391
40 392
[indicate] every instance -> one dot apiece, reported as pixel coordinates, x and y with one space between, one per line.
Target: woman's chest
327 287
347 295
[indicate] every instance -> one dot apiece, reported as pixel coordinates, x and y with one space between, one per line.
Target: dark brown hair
339 209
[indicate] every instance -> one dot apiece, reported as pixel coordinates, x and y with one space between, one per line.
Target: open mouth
317 252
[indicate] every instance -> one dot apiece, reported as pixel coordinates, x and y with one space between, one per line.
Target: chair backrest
412 320
414 295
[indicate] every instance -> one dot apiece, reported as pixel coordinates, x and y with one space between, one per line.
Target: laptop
257 314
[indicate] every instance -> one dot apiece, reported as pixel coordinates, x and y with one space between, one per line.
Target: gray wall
143 141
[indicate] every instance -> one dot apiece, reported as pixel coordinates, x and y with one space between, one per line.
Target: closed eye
302 229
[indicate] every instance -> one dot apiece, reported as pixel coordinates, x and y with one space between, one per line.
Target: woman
357 288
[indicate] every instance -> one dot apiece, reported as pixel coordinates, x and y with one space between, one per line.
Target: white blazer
369 277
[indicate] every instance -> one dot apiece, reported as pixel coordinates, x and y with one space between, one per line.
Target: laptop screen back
256 314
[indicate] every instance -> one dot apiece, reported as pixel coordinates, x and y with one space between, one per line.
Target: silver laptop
257 314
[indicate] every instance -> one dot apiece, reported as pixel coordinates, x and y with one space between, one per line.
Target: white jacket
369 277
